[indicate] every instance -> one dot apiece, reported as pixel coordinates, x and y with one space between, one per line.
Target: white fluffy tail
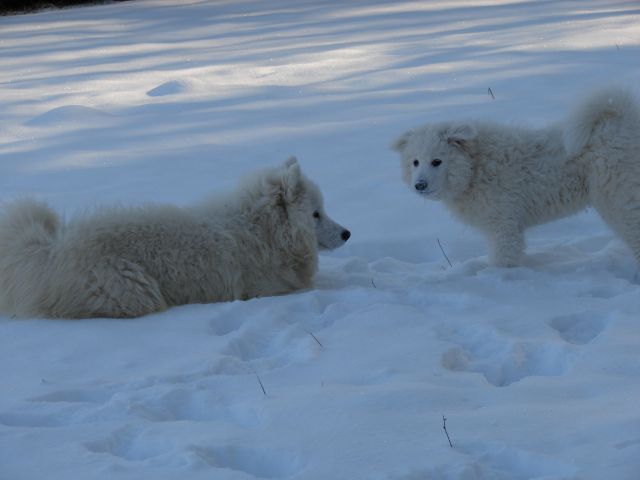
611 107
27 231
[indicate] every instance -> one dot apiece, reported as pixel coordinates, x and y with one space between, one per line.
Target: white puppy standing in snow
502 179
127 262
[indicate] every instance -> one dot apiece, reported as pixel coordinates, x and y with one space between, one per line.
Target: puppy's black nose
345 235
421 185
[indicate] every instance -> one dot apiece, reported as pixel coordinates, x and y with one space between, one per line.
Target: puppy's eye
316 214
435 162
416 163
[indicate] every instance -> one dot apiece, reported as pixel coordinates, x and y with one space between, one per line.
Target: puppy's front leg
506 244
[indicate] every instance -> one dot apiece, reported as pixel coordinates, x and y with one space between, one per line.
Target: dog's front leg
506 243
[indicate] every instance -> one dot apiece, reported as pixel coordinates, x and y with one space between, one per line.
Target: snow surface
535 368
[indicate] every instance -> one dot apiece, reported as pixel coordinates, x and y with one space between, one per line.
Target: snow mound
71 115
168 88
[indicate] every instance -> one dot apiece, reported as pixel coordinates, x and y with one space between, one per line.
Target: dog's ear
292 175
401 142
287 183
459 134
290 161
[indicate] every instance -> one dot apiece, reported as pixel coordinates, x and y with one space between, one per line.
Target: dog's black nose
345 235
421 185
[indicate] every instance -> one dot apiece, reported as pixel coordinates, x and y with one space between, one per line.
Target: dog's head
302 202
435 160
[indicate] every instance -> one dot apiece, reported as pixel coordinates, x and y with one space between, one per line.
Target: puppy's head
302 202
435 161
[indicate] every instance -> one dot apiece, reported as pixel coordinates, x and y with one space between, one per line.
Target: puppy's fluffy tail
28 229
604 116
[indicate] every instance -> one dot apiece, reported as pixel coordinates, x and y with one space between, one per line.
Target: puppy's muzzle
345 235
421 186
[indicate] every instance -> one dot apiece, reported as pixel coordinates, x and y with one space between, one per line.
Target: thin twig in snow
443 253
444 426
315 338
261 386
490 92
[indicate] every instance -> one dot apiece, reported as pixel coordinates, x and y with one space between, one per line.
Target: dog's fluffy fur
503 179
127 262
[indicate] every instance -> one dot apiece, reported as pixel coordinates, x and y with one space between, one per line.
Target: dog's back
177 247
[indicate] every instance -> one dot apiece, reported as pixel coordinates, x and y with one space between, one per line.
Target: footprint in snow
141 444
97 395
259 463
60 408
492 461
34 419
268 333
496 461
196 405
628 443
579 328
604 292
133 444
503 362
225 324
271 344
154 400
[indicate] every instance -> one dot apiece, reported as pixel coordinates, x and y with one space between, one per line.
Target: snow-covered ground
535 368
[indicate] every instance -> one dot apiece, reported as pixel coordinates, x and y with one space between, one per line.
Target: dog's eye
316 214
416 163
435 162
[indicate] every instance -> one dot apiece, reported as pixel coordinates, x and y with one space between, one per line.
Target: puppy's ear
459 134
401 142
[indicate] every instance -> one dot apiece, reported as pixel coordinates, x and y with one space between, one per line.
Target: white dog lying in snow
503 179
128 262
